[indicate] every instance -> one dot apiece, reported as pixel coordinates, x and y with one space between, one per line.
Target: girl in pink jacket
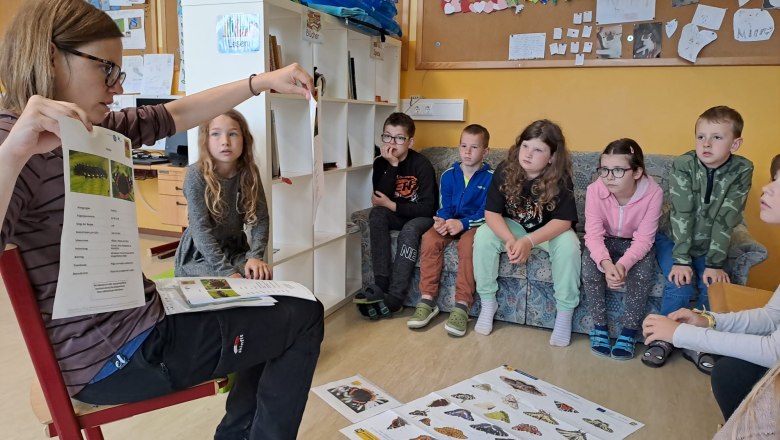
622 208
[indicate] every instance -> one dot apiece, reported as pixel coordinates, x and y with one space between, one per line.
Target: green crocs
422 315
457 322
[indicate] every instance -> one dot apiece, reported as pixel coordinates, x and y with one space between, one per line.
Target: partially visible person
749 341
404 199
462 193
622 208
708 188
530 204
758 415
62 58
224 195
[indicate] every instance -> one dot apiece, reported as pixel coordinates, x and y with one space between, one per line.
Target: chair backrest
36 338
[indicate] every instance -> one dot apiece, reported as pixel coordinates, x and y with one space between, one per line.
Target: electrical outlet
427 109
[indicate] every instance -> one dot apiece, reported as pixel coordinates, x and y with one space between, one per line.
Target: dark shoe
703 361
657 353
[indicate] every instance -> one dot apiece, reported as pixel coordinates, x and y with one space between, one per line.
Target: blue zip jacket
466 203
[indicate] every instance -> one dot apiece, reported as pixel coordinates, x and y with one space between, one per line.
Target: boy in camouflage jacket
708 189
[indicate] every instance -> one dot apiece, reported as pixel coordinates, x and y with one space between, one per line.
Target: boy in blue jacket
463 191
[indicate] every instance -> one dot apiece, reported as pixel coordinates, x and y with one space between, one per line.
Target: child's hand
681 275
389 153
256 269
454 227
380 199
688 316
612 275
520 250
439 225
714 276
659 328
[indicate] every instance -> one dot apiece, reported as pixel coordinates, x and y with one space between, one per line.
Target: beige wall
655 106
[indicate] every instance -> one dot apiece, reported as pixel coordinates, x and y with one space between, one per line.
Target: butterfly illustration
426 421
490 429
522 386
542 415
460 412
397 423
463 397
419 412
498 415
599 424
565 407
439 402
423 437
510 400
525 427
483 387
487 405
572 435
451 432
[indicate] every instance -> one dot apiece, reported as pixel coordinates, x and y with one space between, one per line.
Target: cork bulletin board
478 40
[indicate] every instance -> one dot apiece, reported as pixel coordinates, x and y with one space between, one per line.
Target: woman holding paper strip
60 58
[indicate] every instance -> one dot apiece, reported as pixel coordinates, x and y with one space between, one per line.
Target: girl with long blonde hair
530 203
224 196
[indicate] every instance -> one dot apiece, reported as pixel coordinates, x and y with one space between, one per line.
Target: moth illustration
542 415
599 424
525 427
522 386
565 407
462 413
572 435
490 429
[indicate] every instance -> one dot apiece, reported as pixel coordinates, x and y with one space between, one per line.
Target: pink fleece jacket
637 219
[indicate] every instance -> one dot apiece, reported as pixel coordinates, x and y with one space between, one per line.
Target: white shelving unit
311 247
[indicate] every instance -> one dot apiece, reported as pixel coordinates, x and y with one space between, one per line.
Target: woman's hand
688 316
290 79
659 328
37 130
257 269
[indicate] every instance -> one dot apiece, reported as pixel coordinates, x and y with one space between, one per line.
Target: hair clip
630 148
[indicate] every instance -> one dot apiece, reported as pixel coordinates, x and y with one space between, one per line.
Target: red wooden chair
66 422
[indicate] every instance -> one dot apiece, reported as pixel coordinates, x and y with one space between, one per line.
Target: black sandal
704 361
371 303
657 354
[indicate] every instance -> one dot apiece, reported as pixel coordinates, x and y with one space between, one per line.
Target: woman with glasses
622 209
60 58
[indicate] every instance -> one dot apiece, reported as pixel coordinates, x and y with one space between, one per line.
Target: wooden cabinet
173 205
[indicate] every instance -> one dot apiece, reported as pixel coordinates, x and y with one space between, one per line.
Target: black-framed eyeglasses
617 172
113 75
398 140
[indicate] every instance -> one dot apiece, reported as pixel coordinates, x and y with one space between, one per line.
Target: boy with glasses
708 188
405 200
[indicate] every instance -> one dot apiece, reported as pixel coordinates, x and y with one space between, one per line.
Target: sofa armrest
744 253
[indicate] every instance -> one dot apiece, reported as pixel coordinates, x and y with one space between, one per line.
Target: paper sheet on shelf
100 267
157 74
133 66
693 40
709 17
753 25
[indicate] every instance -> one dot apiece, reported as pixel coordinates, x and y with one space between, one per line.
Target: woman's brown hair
26 67
250 184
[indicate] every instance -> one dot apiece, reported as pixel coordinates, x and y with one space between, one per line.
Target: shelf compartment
360 132
331 213
299 269
291 208
359 189
330 273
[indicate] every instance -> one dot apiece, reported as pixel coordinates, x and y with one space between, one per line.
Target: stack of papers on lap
203 291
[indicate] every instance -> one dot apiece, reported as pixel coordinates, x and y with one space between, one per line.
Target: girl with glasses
622 209
59 58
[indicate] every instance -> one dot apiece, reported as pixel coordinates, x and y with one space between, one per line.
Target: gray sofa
525 294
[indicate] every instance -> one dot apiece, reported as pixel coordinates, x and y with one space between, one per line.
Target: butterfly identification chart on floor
501 403
100 267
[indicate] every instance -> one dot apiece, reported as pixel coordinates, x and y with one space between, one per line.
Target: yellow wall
655 106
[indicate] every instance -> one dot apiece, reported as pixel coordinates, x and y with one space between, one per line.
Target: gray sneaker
422 315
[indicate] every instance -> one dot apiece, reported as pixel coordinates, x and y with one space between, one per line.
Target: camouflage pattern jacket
707 203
